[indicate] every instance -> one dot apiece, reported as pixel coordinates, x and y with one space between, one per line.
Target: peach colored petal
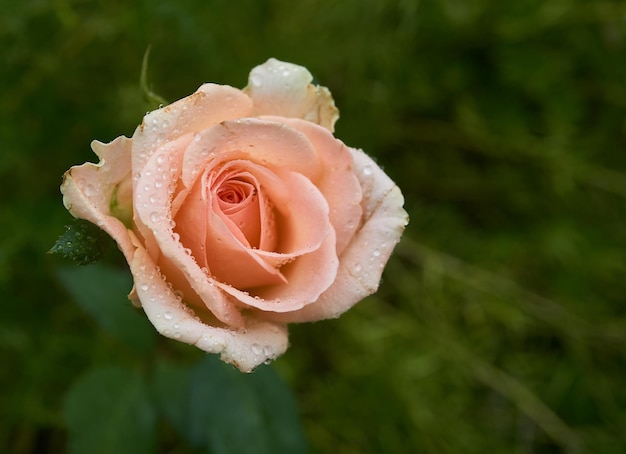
308 276
153 214
215 240
362 263
209 105
259 342
267 143
312 267
92 191
285 89
338 183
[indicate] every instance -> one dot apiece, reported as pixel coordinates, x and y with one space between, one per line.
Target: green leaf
218 408
170 387
101 291
109 411
82 242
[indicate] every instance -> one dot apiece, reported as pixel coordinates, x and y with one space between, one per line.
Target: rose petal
96 192
191 114
308 277
153 215
337 183
315 266
268 143
285 89
246 349
362 263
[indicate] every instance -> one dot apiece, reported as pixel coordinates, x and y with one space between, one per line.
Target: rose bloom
239 212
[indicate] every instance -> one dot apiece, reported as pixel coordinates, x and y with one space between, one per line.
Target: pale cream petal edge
285 89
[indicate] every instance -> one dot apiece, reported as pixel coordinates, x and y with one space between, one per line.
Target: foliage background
501 322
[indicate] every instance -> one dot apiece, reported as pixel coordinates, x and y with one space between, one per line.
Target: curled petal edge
259 342
92 202
285 89
362 263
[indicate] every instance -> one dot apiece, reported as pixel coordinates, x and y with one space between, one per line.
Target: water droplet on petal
256 80
155 217
168 315
358 268
256 349
376 253
367 170
144 287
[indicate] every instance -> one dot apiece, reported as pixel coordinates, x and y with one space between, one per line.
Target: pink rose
239 212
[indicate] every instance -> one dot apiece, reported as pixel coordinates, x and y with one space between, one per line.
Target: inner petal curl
236 193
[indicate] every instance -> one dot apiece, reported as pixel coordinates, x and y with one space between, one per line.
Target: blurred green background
500 325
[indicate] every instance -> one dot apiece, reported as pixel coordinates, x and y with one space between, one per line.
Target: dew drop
176 236
367 170
358 267
152 198
267 351
177 335
155 217
256 349
179 294
144 287
158 184
376 253
168 315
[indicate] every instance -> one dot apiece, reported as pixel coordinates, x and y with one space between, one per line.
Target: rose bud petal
239 212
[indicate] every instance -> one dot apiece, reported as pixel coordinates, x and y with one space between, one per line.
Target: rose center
234 192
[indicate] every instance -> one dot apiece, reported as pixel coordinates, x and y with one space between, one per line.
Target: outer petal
153 215
209 105
285 89
94 191
259 342
361 265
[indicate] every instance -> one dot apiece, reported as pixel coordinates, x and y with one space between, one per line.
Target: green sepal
154 100
82 242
